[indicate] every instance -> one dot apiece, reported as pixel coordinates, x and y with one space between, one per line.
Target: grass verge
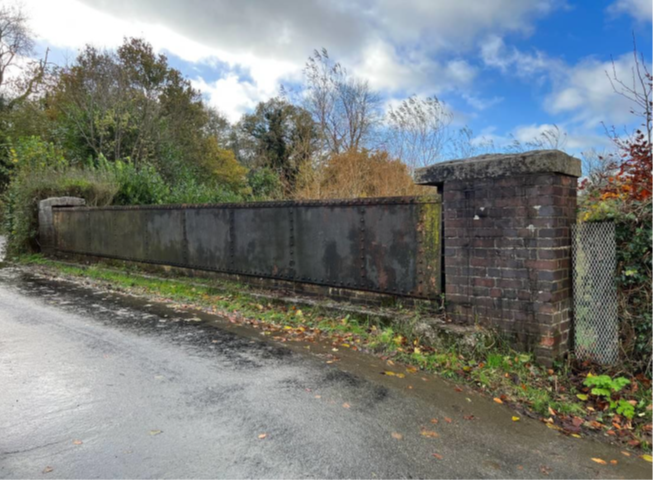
562 397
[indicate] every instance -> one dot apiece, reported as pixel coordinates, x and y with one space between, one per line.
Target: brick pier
507 244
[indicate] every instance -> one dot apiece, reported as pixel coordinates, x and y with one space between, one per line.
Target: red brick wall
507 256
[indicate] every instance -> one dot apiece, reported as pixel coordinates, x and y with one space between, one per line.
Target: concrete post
507 244
46 227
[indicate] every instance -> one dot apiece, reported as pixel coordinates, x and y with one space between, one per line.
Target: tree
283 137
355 174
345 109
20 79
638 91
418 130
16 47
627 173
130 104
221 164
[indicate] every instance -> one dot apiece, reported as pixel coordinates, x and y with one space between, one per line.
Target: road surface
98 385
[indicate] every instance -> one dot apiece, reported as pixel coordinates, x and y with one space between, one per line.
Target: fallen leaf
551 411
613 461
574 435
346 405
599 461
262 436
400 375
48 469
582 397
388 373
647 457
497 400
411 369
437 456
470 417
516 418
434 421
154 432
447 420
429 434
545 470
458 389
625 453
317 396
397 436
77 442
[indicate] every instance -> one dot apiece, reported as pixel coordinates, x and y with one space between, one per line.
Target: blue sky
506 68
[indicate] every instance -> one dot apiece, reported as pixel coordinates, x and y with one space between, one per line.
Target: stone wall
507 244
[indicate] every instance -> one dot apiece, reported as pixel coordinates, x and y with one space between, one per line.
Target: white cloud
641 10
496 54
413 72
413 46
456 25
81 25
581 95
480 103
586 94
232 96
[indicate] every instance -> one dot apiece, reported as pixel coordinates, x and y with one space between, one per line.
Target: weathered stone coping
500 165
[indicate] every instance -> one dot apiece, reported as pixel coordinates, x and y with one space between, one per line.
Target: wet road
96 385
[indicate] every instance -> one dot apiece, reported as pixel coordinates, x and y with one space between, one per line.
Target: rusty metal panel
128 233
208 238
164 237
261 242
101 238
329 245
391 245
70 231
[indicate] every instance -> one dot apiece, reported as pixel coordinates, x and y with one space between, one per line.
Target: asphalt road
97 385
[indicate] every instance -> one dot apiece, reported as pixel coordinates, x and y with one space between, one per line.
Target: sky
506 68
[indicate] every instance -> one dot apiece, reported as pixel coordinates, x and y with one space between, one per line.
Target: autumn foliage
629 174
358 174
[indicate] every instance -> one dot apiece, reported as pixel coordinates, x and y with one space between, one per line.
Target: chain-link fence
596 324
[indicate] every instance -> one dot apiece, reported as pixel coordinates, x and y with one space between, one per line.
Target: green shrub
189 191
39 170
265 184
606 387
140 185
20 201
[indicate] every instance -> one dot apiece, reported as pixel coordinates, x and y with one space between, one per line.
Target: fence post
507 244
